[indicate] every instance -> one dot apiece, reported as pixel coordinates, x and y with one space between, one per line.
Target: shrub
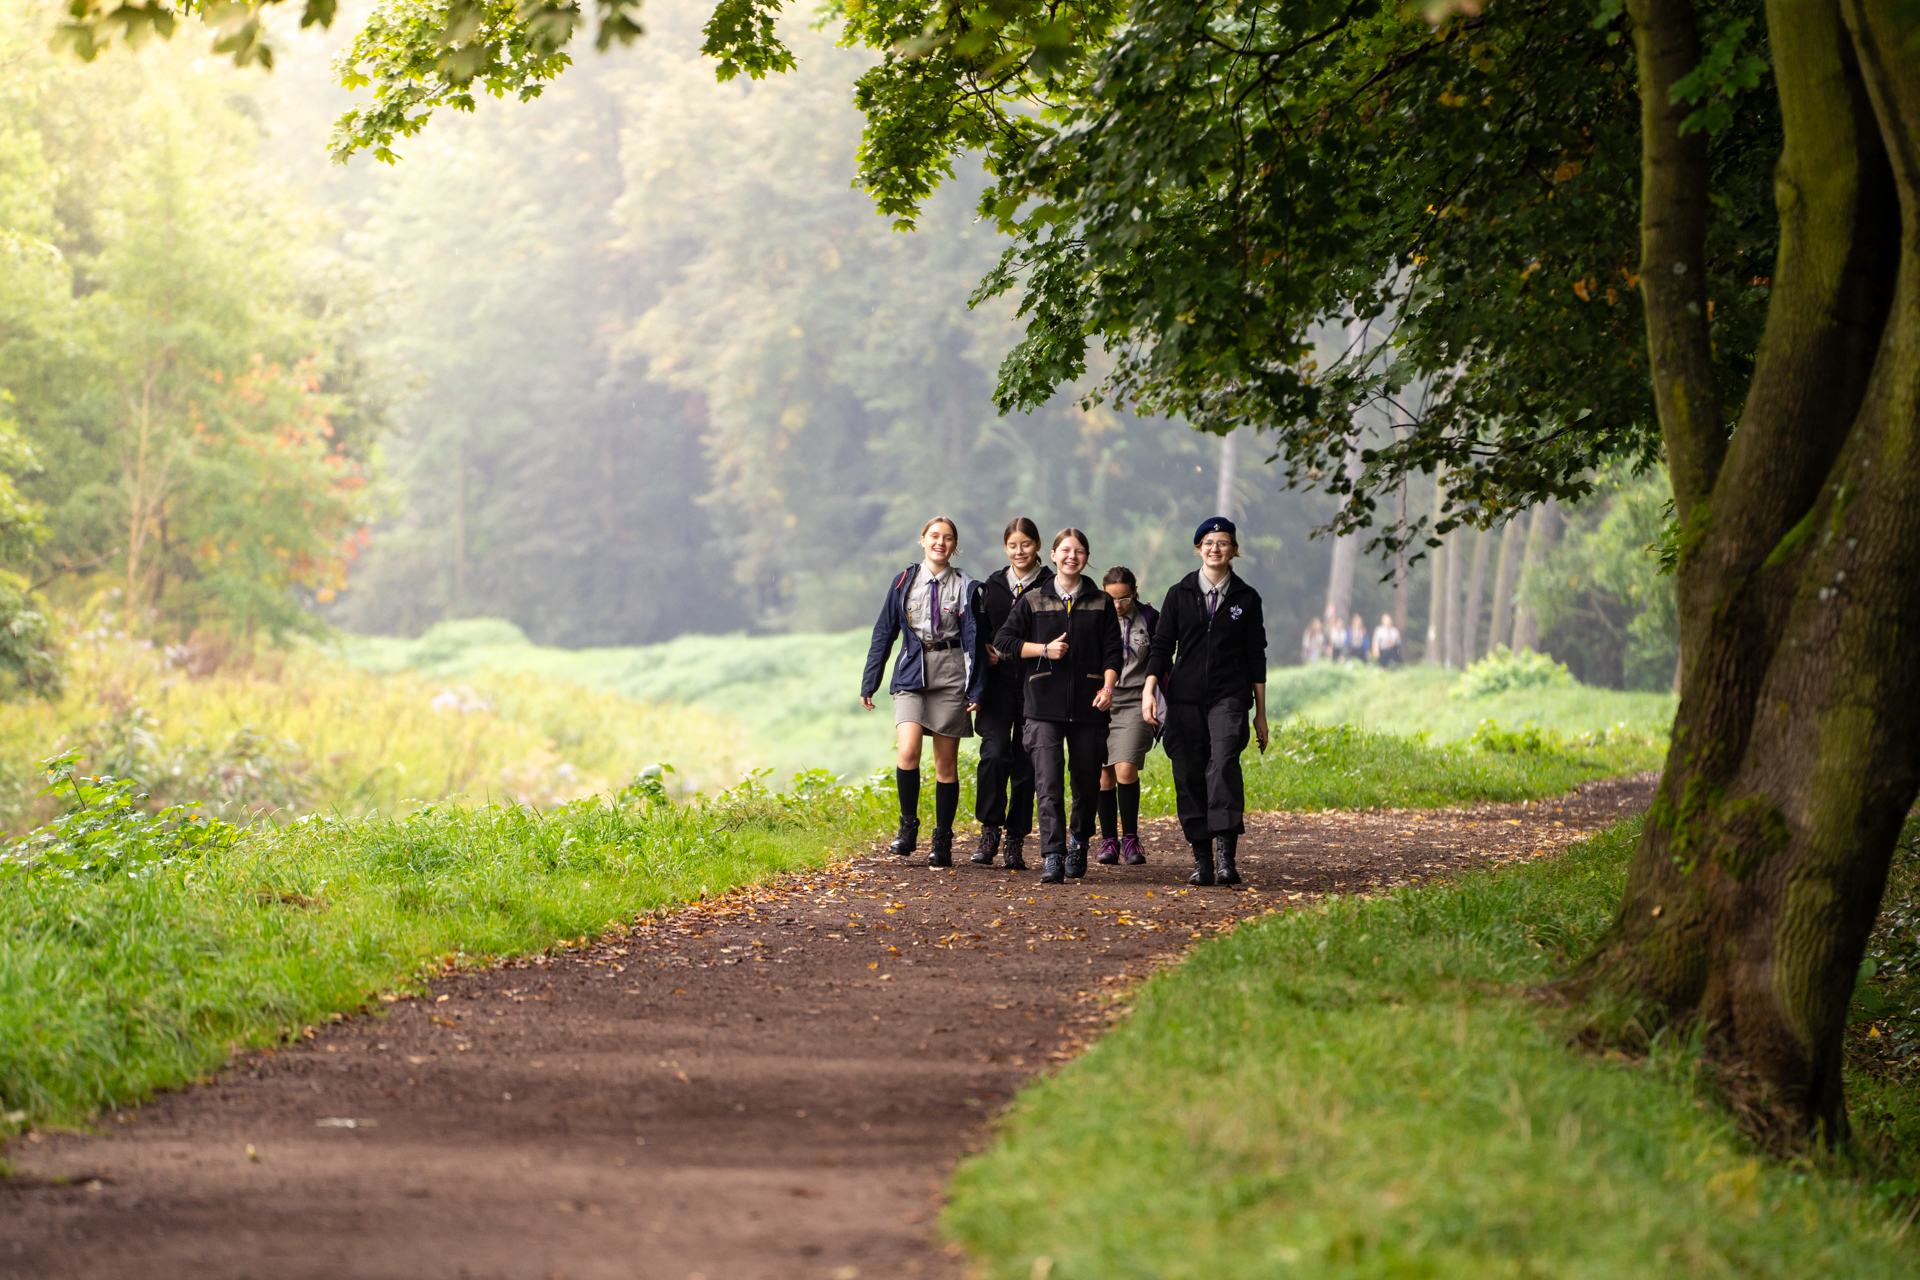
1504 669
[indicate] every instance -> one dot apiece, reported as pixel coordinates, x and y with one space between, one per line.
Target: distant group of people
1331 640
1072 684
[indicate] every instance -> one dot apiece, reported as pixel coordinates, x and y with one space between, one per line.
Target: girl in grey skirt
1129 736
937 683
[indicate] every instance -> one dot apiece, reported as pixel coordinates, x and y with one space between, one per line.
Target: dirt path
773 1085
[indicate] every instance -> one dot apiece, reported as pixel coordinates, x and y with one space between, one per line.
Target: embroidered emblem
1234 612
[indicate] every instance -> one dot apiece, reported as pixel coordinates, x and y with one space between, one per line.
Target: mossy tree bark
1793 763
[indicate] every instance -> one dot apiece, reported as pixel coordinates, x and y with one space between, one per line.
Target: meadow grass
1365 1088
1429 700
299 730
797 696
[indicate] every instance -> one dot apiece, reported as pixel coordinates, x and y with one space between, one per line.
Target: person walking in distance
1386 642
937 683
1129 736
1070 633
1210 655
1003 784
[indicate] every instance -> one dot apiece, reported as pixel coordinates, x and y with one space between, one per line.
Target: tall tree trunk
1346 555
1229 468
1760 868
1476 583
1450 637
1502 632
1436 650
460 530
1400 568
1542 532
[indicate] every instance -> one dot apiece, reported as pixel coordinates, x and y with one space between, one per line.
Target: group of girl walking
1070 684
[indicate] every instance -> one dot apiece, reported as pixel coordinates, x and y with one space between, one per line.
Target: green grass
1417 700
112 987
1363 1089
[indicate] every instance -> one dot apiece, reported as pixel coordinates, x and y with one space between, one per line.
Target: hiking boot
989 846
1014 861
942 852
1076 858
1202 864
1054 869
908 840
1109 853
1224 848
1131 853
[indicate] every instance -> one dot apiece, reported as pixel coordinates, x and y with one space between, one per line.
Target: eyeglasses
1217 544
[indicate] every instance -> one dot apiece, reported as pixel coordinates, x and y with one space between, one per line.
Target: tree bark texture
1542 532
1760 868
1437 588
1501 633
1476 585
1450 605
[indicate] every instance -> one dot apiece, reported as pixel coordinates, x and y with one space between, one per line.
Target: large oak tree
1680 231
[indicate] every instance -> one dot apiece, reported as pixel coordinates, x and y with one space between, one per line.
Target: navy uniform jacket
1204 660
1006 680
910 673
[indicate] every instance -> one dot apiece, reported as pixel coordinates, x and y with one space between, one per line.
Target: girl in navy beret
1209 658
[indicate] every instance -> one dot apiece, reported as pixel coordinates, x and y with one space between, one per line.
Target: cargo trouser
1204 746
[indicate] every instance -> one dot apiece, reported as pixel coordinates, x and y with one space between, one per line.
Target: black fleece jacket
1063 690
1201 659
1007 678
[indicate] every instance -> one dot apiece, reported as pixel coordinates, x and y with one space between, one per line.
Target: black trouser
1004 766
1204 743
1063 751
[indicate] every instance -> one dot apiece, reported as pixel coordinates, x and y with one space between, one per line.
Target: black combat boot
908 840
989 846
1014 861
942 852
1224 848
1076 857
1053 869
1202 864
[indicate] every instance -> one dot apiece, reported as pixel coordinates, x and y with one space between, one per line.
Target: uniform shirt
919 613
1213 593
1134 646
1019 585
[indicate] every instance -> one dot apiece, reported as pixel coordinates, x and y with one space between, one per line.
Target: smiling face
1069 557
939 541
1022 553
1216 551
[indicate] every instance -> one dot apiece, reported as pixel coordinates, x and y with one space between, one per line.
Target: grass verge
116 985
1363 1089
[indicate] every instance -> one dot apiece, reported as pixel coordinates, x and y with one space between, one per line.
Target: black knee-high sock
946 803
908 782
1106 815
1129 800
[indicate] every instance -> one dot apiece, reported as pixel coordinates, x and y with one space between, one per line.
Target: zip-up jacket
1203 660
910 673
1006 680
1063 689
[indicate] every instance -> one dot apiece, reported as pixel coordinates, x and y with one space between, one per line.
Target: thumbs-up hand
1057 647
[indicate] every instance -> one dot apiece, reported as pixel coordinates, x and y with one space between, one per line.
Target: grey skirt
1129 736
940 707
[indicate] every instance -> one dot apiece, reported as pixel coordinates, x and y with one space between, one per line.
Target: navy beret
1217 524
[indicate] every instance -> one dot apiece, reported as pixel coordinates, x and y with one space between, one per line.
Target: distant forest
659 368
629 362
